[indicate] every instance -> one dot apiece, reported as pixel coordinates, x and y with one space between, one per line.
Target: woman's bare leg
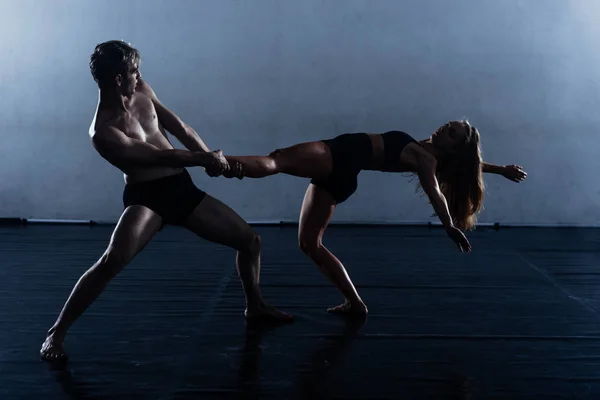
305 160
317 209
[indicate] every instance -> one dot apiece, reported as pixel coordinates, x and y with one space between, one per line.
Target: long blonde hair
460 177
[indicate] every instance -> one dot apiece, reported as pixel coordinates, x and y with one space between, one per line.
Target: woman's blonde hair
460 176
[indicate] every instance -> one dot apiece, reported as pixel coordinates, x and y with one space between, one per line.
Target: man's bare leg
134 230
317 210
214 221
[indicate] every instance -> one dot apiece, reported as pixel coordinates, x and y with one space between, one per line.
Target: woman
448 164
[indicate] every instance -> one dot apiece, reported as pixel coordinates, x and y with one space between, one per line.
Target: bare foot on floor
268 313
53 350
349 308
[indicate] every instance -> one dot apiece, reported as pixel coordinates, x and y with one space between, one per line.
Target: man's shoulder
144 88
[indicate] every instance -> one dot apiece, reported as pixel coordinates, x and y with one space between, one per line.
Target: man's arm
119 149
172 123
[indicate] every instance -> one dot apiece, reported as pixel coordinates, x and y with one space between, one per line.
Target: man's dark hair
110 59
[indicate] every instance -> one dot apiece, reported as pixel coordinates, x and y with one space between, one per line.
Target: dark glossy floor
519 317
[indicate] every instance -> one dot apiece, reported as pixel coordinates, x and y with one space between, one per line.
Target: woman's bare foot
350 308
267 312
53 350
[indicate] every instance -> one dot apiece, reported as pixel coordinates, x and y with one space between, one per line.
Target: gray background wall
251 76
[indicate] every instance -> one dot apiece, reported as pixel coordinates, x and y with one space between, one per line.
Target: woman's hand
459 238
514 172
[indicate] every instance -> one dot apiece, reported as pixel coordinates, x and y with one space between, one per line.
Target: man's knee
111 263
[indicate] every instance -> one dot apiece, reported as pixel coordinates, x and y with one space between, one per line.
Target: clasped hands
220 166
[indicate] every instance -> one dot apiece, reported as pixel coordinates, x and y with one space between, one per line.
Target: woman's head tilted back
459 170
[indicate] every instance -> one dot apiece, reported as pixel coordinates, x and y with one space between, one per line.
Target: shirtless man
128 130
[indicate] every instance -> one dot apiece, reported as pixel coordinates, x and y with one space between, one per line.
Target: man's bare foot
349 308
268 313
53 350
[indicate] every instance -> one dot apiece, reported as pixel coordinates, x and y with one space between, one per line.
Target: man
128 130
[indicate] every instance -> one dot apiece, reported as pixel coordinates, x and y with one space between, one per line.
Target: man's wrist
204 159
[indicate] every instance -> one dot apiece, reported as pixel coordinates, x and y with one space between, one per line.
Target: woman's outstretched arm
514 173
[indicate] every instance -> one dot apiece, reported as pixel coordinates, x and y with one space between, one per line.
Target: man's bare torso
138 122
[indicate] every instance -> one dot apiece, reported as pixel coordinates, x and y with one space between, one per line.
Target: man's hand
459 238
219 164
235 171
514 172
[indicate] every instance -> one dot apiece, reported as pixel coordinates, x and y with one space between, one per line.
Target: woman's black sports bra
393 144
